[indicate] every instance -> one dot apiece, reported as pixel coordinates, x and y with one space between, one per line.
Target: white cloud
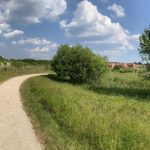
35 42
115 52
36 45
8 32
40 49
37 48
134 37
13 33
117 9
112 53
89 26
4 27
31 11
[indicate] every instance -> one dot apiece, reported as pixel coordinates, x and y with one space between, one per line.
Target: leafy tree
78 64
145 45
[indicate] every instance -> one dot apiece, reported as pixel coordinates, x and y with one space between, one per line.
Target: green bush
116 68
78 64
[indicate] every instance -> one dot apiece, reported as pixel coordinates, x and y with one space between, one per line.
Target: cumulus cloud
36 45
35 42
91 27
40 49
117 9
13 33
37 48
31 11
4 27
7 32
114 52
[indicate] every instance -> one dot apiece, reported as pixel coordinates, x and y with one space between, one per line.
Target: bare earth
16 131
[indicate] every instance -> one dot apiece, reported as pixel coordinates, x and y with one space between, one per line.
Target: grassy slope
113 116
4 75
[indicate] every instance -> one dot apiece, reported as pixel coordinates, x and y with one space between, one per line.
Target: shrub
78 64
116 68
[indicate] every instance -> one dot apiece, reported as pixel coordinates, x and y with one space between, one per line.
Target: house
124 65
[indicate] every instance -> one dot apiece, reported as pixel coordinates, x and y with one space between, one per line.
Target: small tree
78 64
145 45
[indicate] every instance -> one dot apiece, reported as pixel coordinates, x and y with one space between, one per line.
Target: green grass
111 115
4 75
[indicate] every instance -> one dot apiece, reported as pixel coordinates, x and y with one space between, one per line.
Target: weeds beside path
5 75
88 117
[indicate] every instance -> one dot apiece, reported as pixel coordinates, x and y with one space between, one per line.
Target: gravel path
16 131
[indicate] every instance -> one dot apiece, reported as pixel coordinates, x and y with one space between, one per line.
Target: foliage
112 115
78 64
145 45
116 68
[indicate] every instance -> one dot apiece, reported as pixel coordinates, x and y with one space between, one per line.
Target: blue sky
35 29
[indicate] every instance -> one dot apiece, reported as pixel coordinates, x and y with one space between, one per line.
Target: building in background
125 65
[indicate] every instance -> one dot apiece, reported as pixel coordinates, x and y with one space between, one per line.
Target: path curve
16 131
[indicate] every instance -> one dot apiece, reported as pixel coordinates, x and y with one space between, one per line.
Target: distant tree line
19 63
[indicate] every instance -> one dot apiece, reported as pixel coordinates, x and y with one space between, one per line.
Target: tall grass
127 84
90 117
12 72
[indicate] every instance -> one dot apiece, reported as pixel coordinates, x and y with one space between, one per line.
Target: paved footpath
16 131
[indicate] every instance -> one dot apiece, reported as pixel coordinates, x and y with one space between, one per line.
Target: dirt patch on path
16 131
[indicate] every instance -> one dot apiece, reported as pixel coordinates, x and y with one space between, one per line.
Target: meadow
112 114
21 67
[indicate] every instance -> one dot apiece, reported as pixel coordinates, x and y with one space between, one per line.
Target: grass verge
73 117
4 75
